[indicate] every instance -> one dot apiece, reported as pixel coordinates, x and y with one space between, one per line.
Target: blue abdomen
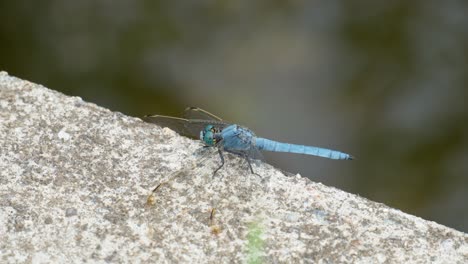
271 145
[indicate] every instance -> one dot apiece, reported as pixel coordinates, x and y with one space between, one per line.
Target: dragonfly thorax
211 135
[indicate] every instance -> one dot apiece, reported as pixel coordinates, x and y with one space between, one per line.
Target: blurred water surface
385 81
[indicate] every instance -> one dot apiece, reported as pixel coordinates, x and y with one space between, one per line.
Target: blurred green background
383 80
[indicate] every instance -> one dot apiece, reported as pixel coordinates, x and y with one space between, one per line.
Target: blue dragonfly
232 138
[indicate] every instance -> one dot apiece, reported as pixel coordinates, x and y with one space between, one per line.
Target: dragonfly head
210 135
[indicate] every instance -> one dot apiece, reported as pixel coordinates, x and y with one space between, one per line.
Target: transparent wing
187 127
183 126
199 114
255 154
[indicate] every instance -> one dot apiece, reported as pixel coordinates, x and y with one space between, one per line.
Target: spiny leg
222 161
246 157
250 164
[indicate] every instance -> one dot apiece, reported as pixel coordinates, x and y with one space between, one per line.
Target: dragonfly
216 132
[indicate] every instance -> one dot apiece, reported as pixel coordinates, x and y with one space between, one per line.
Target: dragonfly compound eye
207 135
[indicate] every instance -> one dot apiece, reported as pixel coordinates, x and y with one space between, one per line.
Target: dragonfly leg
222 161
246 157
250 165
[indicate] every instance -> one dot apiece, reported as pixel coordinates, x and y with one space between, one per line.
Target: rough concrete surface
75 178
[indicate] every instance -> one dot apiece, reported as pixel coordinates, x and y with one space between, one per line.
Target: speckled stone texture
75 178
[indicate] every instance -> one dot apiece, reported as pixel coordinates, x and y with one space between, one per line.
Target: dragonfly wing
252 153
187 127
199 114
179 125
255 153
